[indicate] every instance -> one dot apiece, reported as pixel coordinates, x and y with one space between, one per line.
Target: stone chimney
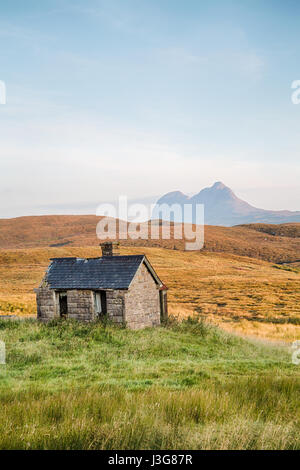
110 248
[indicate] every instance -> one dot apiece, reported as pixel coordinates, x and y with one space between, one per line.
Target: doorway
100 303
63 304
163 305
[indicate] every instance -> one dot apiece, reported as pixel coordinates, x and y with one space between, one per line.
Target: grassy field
183 385
190 385
246 295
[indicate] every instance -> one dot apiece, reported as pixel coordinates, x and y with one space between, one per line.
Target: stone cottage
126 289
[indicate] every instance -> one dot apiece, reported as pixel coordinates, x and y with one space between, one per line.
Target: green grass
68 385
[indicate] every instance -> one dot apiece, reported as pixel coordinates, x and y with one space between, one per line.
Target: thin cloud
179 56
251 64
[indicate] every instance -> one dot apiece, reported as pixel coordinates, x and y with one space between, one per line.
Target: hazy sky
142 97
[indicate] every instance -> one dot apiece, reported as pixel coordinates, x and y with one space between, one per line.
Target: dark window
63 304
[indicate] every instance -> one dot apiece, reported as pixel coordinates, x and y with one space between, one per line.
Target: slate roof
107 272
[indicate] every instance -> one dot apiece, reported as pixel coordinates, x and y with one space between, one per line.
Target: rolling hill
276 243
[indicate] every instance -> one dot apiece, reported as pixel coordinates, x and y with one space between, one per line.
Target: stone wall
46 304
81 305
115 301
142 304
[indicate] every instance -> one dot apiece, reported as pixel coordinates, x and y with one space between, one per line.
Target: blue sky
145 97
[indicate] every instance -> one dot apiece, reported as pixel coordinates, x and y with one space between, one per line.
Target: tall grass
190 385
113 418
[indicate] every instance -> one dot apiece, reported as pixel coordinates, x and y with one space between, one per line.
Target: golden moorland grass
276 243
242 294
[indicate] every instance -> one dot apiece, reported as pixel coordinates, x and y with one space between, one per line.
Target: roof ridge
99 257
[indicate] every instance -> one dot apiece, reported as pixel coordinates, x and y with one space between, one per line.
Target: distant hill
222 207
276 243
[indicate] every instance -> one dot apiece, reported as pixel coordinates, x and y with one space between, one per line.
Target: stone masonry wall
81 305
115 305
46 305
142 305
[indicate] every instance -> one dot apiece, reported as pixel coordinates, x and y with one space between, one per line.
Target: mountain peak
223 207
174 197
219 185
218 191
